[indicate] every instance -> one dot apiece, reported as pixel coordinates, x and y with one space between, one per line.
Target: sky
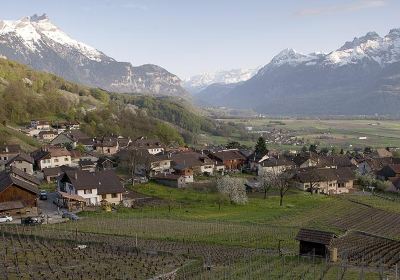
189 37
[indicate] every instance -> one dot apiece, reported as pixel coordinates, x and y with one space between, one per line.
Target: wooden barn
17 188
314 242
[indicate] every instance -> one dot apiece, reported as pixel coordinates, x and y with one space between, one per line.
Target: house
311 159
40 124
18 193
94 187
105 163
49 156
383 153
199 163
7 152
151 145
255 159
325 180
71 138
185 171
23 162
389 171
52 174
373 165
314 242
232 159
159 163
170 180
106 146
47 135
274 165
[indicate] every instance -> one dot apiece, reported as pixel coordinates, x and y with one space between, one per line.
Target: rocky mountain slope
37 42
360 78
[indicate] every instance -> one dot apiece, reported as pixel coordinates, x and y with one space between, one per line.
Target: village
80 172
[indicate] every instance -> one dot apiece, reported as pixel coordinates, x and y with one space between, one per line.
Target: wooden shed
314 242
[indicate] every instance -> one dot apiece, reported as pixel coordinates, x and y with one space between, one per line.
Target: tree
267 181
137 160
233 145
261 147
282 181
313 148
232 188
304 149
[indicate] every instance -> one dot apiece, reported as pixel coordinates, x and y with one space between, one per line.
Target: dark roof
7 179
228 155
10 149
25 176
50 151
56 171
378 163
21 157
271 162
190 159
143 142
47 132
105 182
313 174
11 205
315 236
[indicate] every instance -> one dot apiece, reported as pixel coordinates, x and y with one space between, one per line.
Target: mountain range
198 83
37 42
360 78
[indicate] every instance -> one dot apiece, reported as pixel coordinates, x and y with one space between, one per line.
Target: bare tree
233 188
280 180
138 160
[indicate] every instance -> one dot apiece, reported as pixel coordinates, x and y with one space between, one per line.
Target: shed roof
315 236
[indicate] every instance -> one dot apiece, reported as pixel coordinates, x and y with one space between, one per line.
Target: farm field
343 133
191 236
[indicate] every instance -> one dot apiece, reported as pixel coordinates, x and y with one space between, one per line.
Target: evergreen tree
261 147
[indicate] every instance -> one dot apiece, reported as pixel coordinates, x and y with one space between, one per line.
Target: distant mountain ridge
37 42
198 83
360 78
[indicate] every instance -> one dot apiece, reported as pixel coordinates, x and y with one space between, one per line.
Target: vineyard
368 250
56 253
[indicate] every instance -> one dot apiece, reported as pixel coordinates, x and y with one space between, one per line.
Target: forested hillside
26 94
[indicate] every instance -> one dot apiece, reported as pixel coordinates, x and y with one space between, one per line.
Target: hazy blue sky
188 37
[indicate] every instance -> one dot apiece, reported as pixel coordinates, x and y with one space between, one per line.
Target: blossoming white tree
233 188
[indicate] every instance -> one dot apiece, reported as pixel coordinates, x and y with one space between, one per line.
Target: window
56 160
5 158
89 191
104 196
66 159
114 195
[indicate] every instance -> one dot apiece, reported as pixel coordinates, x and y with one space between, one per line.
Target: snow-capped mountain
199 82
361 77
37 42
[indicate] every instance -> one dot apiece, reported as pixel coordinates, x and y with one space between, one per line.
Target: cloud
348 7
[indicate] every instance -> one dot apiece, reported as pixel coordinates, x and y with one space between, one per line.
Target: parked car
30 221
5 219
70 216
43 195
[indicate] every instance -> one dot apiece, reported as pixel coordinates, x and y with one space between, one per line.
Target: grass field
343 133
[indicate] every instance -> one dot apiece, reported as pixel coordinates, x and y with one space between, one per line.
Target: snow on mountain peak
201 81
33 30
290 57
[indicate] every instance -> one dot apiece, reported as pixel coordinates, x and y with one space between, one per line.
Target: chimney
76 175
6 149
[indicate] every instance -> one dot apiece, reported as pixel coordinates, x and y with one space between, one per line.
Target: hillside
26 94
359 78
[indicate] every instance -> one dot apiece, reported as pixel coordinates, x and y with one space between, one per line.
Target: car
70 216
31 221
43 195
5 219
